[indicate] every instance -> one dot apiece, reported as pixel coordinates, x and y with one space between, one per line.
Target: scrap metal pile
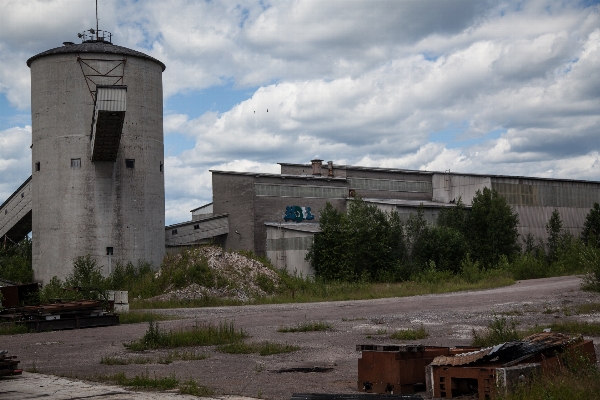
62 315
9 364
452 372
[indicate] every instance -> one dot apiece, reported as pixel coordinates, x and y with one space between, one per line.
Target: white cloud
15 159
367 83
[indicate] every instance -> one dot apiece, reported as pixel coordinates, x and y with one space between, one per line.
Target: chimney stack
316 166
330 169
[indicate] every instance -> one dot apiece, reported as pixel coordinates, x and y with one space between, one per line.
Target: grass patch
192 388
168 359
499 330
263 348
198 335
581 382
143 381
135 317
589 308
306 327
577 327
12 329
410 334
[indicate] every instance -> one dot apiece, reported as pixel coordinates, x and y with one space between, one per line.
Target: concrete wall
287 250
449 187
78 211
233 194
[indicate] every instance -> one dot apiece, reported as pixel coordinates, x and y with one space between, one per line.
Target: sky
492 87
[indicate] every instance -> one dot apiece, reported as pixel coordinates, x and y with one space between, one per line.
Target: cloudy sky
500 87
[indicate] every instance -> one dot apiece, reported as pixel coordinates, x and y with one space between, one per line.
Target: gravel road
449 319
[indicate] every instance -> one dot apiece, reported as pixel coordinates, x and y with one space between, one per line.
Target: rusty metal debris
397 369
62 315
481 372
9 364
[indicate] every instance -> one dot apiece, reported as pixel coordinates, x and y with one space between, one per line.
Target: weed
499 330
260 367
198 335
192 388
143 381
32 369
576 327
588 308
307 327
410 334
12 329
264 348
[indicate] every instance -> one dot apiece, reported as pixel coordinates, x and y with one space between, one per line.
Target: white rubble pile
236 277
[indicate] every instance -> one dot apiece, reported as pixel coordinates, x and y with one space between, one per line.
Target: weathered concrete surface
449 319
95 205
39 386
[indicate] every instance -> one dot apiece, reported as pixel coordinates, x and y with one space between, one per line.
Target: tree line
367 244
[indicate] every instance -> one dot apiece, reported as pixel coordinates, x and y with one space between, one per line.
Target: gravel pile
236 277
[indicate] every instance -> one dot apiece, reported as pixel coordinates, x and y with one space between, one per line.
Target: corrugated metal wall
111 98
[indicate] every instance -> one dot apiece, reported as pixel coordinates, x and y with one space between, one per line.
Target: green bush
15 262
499 330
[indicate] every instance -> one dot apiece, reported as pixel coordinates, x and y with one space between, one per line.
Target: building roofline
359 168
282 176
99 47
311 227
16 192
198 208
196 221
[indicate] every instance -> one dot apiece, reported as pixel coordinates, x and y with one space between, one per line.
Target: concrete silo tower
97 155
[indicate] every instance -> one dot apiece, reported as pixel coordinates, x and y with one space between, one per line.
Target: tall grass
410 334
499 330
198 335
263 348
10 328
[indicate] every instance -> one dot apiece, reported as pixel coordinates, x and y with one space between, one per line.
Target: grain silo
97 156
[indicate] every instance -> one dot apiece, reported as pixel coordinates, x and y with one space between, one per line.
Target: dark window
6 211
37 166
22 195
197 226
75 163
109 251
161 166
174 232
130 163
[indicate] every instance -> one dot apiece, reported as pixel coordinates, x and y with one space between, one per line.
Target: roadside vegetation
361 254
262 348
162 359
10 328
147 382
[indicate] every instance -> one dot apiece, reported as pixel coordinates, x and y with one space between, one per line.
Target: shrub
498 331
15 262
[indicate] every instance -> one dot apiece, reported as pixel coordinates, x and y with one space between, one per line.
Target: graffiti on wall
297 214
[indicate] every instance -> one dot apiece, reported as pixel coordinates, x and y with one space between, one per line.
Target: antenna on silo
96 19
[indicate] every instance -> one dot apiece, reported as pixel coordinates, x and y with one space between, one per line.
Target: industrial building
97 184
277 214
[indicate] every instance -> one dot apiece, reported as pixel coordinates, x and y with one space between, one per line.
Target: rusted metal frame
120 78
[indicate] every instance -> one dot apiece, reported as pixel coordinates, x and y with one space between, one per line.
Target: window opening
174 232
130 163
37 166
161 166
22 194
75 163
197 226
109 251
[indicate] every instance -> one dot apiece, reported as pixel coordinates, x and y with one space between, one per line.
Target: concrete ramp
15 214
198 231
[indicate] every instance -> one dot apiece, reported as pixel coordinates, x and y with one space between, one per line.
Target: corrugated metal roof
510 352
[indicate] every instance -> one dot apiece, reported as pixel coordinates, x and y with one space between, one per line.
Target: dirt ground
449 319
